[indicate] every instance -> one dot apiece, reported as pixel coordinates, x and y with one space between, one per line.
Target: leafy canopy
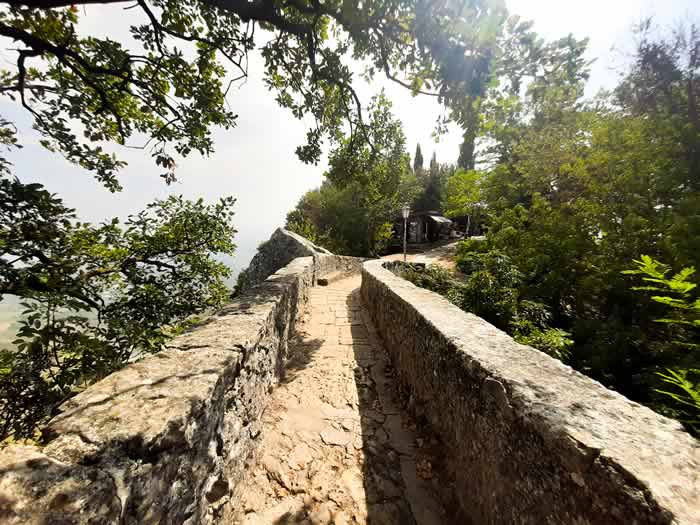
682 384
167 88
462 193
97 297
576 189
353 211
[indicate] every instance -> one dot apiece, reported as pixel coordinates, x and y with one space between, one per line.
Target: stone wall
530 439
165 439
280 249
340 265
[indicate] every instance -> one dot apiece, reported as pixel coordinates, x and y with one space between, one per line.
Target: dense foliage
353 211
681 383
170 83
97 297
576 190
490 288
431 191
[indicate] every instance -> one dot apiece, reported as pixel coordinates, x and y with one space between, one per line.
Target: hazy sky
255 161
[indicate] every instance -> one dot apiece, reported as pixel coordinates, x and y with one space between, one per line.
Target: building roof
440 219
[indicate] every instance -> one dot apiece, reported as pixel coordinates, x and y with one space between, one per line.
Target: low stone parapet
165 439
531 440
280 249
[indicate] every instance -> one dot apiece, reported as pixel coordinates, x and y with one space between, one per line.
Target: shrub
553 341
490 289
681 384
494 263
433 277
483 295
471 246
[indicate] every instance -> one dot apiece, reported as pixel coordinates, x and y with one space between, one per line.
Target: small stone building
423 227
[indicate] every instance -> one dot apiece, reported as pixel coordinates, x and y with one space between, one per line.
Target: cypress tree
417 160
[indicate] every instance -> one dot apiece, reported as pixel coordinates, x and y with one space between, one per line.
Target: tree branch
51 4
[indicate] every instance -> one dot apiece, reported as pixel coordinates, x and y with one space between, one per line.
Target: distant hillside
9 316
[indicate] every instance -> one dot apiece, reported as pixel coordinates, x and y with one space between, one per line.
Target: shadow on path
402 461
336 448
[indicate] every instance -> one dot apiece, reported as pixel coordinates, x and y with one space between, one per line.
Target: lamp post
405 211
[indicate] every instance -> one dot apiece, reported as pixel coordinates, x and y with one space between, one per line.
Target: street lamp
405 211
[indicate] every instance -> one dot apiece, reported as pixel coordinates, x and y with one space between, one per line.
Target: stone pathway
335 447
440 255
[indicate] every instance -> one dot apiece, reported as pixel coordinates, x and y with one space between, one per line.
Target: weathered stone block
165 439
280 249
532 441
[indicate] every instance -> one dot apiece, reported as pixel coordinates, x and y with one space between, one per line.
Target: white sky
255 161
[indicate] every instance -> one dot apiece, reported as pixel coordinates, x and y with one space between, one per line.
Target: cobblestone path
335 447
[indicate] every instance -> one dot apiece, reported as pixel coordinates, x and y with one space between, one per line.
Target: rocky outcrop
165 439
530 440
279 250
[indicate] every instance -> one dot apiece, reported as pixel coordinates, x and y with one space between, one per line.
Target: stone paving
335 447
440 255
